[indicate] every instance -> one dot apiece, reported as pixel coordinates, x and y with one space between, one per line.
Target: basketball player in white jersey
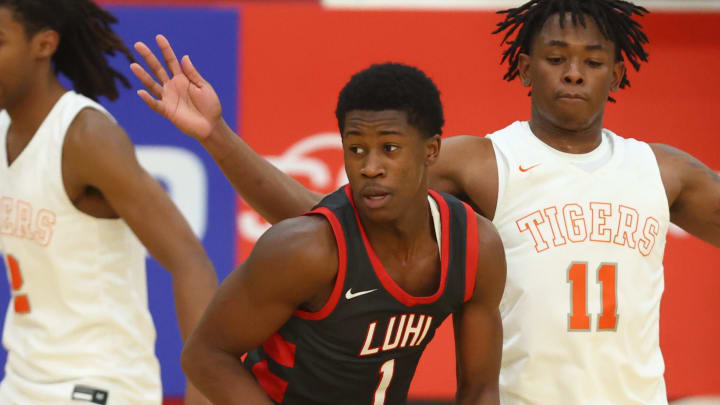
583 213
73 198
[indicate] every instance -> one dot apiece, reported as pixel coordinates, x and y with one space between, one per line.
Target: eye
555 60
390 147
356 149
594 63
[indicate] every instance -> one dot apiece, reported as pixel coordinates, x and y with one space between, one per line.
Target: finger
192 74
168 54
152 62
147 80
151 102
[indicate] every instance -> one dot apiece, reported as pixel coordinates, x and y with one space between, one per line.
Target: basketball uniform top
584 237
79 299
362 347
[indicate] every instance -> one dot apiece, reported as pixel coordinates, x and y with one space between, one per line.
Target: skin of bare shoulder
693 192
467 169
478 325
305 265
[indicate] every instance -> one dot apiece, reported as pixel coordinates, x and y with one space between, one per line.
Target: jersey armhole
329 306
471 251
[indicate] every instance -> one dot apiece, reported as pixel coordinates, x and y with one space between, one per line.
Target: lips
572 96
375 196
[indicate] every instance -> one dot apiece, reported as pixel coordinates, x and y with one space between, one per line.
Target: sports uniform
584 237
363 346
78 326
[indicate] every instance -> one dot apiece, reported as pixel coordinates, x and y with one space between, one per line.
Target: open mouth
375 199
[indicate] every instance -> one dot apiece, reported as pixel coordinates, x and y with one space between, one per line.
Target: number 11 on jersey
579 319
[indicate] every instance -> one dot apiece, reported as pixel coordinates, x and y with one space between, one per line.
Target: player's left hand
186 99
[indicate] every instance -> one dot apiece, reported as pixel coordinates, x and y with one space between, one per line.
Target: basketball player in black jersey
336 306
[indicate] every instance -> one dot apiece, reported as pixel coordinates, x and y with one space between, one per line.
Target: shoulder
93 128
488 237
302 245
468 144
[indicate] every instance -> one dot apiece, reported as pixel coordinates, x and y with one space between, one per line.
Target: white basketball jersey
79 307
584 237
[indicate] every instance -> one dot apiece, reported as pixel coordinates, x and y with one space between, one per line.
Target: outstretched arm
478 326
191 104
693 192
100 155
288 266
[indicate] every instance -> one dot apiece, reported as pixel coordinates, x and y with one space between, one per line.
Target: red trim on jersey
280 350
342 266
273 385
471 252
382 274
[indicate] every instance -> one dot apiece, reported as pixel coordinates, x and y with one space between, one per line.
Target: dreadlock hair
613 18
394 86
85 41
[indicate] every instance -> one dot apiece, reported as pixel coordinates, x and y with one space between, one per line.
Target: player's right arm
294 264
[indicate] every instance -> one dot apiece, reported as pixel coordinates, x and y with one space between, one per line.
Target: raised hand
186 99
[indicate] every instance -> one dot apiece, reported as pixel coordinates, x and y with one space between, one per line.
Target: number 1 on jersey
579 319
386 374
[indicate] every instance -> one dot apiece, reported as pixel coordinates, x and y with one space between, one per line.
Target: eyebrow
563 44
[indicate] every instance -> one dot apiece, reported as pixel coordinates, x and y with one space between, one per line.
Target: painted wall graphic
278 67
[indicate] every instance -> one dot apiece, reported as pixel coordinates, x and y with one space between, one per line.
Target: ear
524 69
45 43
432 149
618 73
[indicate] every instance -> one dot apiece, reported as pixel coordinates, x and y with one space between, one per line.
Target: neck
569 139
29 111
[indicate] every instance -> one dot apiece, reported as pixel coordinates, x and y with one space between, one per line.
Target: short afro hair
394 86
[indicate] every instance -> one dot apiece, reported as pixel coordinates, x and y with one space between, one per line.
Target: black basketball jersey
363 345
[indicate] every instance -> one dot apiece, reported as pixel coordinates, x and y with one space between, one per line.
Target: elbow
190 359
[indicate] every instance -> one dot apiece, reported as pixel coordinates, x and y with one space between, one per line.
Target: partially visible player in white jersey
73 203
582 213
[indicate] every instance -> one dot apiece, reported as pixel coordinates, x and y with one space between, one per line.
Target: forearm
193 290
221 377
272 193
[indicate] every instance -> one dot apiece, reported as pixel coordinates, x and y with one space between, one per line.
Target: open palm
186 99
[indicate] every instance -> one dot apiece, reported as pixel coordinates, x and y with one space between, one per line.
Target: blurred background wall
278 66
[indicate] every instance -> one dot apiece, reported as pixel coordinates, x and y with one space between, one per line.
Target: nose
372 166
573 74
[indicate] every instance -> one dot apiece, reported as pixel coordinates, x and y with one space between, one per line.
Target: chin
571 121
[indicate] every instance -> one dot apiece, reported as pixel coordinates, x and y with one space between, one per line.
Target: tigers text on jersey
362 347
584 237
79 308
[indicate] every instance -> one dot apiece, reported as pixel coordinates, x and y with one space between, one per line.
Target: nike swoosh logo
523 169
350 295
